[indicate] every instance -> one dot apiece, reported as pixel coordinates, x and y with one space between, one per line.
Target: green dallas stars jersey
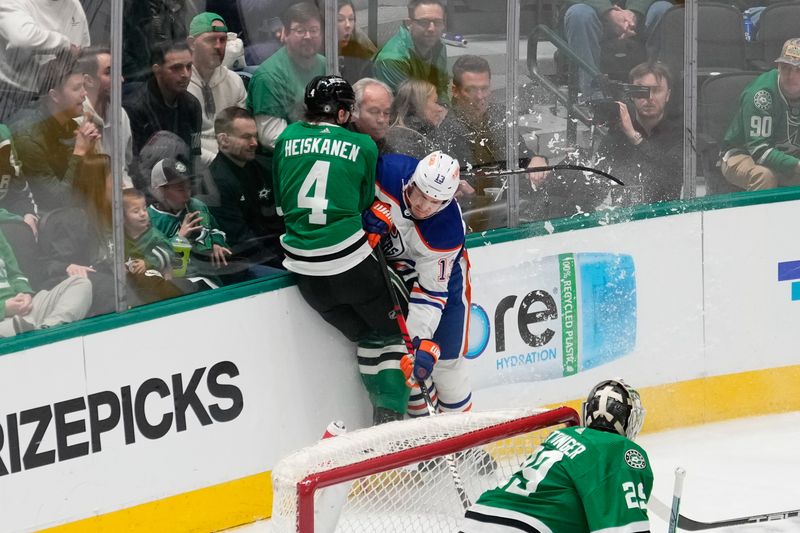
765 126
579 481
324 177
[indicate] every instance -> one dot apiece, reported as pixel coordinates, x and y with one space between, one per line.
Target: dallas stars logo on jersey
765 126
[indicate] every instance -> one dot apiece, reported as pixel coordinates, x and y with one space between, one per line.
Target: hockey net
397 477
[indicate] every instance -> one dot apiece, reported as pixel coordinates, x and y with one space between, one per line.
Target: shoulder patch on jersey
763 100
635 459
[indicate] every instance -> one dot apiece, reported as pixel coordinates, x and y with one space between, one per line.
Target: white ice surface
734 469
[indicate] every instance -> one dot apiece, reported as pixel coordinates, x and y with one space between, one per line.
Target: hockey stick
397 314
501 173
677 490
687 524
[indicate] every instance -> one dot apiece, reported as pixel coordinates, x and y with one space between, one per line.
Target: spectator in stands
355 48
476 126
31 31
49 142
590 22
373 110
149 255
95 65
416 51
25 311
160 146
276 91
212 83
176 212
416 116
146 23
761 149
245 209
18 216
164 103
645 148
146 248
98 18
263 29
78 240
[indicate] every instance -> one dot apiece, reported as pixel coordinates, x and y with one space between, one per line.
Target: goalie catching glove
377 221
426 353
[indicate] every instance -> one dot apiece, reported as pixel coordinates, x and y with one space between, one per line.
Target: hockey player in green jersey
761 149
324 179
581 479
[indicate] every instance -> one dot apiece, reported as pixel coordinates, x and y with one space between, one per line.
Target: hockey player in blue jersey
426 248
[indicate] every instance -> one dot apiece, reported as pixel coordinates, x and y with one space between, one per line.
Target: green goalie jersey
765 126
324 177
580 480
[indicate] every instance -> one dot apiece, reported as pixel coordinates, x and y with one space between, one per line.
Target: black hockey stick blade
692 525
501 173
687 524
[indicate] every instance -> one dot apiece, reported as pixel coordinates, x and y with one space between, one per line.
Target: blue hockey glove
426 353
377 221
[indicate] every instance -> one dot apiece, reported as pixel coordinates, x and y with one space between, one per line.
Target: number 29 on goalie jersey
580 480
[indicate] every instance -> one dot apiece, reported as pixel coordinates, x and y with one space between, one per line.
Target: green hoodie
12 281
398 61
152 247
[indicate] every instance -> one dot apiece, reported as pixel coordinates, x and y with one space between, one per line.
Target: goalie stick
687 524
677 491
397 314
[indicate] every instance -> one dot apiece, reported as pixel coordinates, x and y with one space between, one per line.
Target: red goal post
387 489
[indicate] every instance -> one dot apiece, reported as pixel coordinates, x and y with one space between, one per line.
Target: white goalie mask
437 175
614 406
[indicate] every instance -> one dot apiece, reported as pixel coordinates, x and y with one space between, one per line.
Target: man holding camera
645 149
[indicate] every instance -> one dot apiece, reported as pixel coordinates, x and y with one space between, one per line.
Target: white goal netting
398 477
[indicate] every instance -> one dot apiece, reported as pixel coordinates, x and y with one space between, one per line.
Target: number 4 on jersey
317 178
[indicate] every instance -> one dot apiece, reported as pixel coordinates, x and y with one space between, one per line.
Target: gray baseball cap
168 171
790 54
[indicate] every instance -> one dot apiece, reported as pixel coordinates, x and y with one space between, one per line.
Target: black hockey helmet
614 406
326 95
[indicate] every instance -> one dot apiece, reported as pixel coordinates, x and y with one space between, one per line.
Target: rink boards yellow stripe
223 506
718 398
674 405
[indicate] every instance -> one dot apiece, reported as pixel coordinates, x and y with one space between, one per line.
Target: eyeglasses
300 31
426 23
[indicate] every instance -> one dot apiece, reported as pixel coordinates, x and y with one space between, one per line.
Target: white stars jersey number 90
317 178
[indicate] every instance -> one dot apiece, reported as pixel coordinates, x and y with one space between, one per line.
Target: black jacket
145 23
483 144
245 207
655 164
149 114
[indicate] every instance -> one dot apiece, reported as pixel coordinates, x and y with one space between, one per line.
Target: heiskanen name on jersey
343 149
